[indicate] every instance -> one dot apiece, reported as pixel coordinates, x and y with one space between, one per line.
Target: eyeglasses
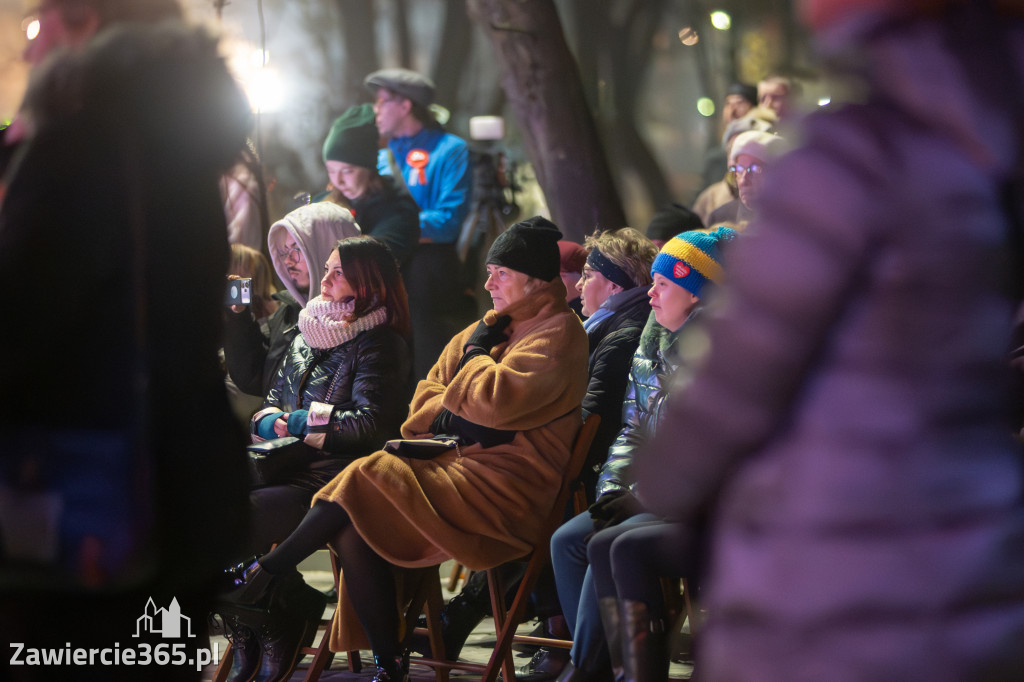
740 171
289 254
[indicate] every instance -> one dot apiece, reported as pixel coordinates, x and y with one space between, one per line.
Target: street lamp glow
265 90
706 106
721 20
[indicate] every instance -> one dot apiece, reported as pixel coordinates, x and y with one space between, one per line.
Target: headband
612 272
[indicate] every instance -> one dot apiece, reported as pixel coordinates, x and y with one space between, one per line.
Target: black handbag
272 461
423 448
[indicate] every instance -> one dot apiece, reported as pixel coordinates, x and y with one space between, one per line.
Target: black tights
368 575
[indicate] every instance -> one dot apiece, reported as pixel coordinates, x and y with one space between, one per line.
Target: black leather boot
458 619
608 607
245 649
290 623
644 651
391 668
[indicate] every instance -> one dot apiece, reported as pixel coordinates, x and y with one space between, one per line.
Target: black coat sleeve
245 352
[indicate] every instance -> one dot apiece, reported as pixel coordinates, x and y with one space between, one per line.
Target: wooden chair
507 619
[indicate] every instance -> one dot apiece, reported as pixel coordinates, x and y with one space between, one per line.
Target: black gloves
476 433
614 507
487 337
442 423
468 432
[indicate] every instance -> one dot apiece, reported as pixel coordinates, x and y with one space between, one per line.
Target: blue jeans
576 592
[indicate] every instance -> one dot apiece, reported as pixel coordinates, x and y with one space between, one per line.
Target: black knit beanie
530 247
353 138
671 220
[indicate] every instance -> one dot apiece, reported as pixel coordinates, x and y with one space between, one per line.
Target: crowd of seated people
811 386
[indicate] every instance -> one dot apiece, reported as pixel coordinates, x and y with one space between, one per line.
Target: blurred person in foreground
850 431
71 24
135 128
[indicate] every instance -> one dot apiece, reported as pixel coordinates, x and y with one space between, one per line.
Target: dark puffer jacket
366 379
655 359
613 342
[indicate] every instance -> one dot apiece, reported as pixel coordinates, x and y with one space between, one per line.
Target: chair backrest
580 448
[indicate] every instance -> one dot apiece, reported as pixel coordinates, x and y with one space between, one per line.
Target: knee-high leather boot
644 652
608 607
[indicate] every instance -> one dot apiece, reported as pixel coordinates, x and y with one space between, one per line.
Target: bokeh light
31 28
721 20
687 36
706 106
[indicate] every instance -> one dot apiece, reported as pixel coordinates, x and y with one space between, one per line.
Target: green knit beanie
353 138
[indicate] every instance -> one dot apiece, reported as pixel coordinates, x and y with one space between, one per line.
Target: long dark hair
372 272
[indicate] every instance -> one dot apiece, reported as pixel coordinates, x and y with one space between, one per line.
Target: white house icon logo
166 622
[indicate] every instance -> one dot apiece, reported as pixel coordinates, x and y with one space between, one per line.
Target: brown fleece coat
485 506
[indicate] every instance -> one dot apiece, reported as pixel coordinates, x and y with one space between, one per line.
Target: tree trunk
452 55
360 46
542 82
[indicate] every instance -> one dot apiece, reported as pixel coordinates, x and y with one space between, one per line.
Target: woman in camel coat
510 388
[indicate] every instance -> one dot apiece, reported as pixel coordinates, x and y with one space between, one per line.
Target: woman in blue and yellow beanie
690 260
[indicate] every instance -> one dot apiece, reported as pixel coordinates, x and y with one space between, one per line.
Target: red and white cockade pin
417 158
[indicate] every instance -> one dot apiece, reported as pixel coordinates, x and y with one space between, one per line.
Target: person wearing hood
682 275
306 235
508 389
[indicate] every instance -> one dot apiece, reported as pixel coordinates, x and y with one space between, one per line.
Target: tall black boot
644 651
608 607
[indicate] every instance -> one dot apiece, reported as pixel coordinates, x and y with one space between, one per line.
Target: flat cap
408 84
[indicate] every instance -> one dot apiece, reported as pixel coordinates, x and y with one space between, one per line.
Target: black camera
238 292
